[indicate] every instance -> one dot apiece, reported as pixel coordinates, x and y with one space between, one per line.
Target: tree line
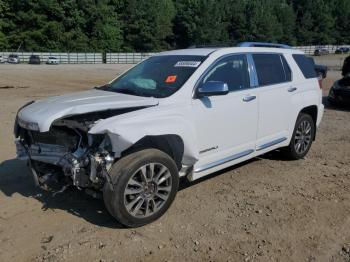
153 25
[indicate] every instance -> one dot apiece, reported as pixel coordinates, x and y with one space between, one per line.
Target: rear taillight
320 78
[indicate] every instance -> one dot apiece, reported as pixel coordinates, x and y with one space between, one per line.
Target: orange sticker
170 79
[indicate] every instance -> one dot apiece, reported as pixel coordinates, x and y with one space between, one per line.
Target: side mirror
212 88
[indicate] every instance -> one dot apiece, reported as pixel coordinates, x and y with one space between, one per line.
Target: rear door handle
249 98
292 89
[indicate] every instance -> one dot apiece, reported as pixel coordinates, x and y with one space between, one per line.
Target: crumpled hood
45 112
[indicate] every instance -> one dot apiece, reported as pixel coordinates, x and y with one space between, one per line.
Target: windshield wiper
128 92
108 87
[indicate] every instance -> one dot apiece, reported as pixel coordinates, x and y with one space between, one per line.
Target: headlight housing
15 129
28 125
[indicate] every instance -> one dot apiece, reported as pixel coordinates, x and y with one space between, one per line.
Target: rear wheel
303 136
144 186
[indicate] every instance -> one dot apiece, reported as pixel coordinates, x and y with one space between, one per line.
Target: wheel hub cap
150 189
147 190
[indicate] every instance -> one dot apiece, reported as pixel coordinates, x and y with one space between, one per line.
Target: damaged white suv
179 113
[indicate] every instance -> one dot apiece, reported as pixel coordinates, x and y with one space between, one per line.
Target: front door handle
249 98
292 89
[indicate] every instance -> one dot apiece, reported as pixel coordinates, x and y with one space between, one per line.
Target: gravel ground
267 209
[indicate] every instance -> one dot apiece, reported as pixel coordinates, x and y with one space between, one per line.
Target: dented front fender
125 130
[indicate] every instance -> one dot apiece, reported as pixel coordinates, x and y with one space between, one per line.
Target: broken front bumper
50 154
22 154
83 168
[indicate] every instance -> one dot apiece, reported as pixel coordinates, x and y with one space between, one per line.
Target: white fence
126 58
309 50
83 58
65 58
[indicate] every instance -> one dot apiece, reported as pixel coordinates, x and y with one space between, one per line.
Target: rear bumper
320 114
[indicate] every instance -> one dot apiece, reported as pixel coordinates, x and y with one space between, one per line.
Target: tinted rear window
306 66
271 69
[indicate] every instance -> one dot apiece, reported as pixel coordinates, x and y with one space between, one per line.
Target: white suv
51 60
179 113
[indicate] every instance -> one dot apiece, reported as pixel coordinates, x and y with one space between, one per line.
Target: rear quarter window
271 69
306 66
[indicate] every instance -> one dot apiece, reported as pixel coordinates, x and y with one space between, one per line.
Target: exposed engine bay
67 154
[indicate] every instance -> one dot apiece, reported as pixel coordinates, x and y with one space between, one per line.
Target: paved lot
267 209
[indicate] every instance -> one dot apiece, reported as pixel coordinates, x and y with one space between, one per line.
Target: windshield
158 76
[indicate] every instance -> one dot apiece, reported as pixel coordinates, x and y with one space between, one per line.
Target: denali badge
207 150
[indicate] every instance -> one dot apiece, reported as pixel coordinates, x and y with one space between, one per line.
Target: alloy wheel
147 190
303 137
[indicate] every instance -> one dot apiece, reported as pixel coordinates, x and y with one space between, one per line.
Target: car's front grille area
60 136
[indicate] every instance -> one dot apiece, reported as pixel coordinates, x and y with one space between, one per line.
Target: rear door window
306 65
271 69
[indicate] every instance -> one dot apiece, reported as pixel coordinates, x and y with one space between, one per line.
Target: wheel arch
171 144
313 112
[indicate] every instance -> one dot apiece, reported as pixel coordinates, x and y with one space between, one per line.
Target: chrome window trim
253 74
286 62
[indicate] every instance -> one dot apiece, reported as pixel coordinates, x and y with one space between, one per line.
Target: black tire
121 173
291 151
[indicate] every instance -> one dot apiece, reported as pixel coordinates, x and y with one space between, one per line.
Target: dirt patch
267 209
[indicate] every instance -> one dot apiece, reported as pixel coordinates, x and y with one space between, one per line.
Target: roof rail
208 46
263 44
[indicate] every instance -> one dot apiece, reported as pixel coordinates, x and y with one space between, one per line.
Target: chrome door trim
223 161
272 143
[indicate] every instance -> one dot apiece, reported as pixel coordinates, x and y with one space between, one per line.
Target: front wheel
303 136
144 185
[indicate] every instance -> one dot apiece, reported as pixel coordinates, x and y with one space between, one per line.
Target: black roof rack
209 46
243 44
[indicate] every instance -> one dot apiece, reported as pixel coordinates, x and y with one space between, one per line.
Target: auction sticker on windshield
187 64
171 79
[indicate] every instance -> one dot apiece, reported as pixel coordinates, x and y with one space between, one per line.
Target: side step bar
272 143
239 155
223 161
